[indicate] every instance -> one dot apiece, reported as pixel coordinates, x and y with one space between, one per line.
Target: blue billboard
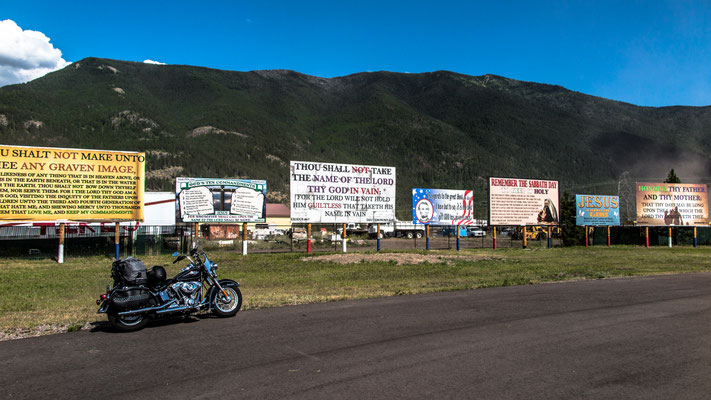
597 210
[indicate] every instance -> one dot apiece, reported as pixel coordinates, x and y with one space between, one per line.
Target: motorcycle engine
188 291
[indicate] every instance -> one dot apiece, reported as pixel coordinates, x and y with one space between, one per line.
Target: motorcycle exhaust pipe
147 309
163 310
196 307
171 310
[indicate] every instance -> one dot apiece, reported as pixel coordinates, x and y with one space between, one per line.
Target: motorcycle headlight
214 265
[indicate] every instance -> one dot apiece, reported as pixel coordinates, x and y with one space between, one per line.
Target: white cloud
26 55
153 62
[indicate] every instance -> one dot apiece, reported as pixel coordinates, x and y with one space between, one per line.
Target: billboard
341 193
159 213
50 184
442 207
597 210
672 204
514 201
220 200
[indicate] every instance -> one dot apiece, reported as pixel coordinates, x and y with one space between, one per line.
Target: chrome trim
147 309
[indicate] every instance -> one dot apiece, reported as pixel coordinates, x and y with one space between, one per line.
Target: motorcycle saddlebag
131 270
129 298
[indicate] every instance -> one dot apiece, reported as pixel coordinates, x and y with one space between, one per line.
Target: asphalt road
646 338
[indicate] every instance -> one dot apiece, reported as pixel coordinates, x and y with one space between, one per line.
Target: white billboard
514 201
221 200
341 193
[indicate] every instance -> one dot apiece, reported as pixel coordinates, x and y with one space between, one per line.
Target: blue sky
646 53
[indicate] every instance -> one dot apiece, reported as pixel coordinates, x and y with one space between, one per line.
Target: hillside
440 129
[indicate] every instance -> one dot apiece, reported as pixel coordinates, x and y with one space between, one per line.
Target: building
278 220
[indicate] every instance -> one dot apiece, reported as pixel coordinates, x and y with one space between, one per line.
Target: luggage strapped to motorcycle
130 271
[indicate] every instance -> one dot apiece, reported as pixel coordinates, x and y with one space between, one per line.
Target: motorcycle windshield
208 265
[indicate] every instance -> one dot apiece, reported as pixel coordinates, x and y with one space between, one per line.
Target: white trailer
397 229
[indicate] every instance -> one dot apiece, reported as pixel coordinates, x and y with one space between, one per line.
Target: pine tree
572 235
672 178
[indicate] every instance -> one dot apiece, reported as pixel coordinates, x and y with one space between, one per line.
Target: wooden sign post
378 236
244 238
60 254
344 238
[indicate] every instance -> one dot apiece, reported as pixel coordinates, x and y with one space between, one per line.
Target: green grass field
36 293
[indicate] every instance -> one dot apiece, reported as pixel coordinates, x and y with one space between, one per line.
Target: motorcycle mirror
183 257
194 245
175 254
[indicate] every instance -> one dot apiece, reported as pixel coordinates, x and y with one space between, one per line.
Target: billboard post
60 254
670 237
695 240
646 235
117 239
427 237
458 248
550 241
609 242
587 235
524 237
308 238
244 238
378 236
494 237
344 237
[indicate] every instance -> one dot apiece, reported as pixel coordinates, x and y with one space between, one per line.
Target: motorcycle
139 294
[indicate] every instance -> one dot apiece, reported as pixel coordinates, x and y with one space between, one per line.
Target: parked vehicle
297 233
397 229
476 231
451 230
536 232
352 229
139 294
261 231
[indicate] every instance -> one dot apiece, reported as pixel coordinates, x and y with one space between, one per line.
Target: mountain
440 129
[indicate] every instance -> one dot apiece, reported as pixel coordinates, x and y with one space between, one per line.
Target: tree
572 234
672 178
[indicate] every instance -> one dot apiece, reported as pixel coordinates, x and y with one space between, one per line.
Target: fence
42 241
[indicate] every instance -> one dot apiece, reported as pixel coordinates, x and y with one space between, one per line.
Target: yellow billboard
45 183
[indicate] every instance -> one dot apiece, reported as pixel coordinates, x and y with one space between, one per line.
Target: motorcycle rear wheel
227 309
128 323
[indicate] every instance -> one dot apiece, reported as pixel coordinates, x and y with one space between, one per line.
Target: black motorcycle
139 294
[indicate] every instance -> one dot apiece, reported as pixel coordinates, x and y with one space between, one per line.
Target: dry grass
40 296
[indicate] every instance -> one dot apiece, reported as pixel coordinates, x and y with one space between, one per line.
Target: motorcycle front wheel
223 308
127 323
